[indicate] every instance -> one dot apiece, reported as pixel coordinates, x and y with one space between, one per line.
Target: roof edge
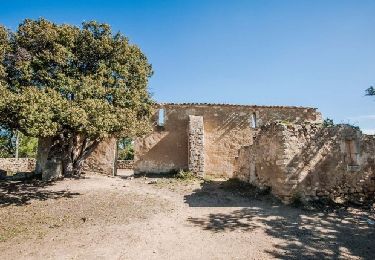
233 105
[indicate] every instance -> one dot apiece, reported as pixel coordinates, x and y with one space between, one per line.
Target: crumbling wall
196 145
309 161
226 129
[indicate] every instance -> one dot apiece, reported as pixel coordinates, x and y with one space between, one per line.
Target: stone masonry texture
227 128
309 161
196 145
17 165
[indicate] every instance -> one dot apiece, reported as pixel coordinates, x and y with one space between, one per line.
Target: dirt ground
122 217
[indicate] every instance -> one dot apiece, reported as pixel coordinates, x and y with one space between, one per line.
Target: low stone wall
125 164
17 165
308 161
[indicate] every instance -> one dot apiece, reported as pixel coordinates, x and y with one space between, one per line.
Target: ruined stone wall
103 159
196 145
17 165
310 162
226 129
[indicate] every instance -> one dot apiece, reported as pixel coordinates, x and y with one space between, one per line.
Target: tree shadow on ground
20 193
237 221
130 175
335 233
229 193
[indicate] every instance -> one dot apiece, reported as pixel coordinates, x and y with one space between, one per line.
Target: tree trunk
64 156
77 149
17 143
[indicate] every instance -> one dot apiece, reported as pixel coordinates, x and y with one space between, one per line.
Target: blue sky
305 53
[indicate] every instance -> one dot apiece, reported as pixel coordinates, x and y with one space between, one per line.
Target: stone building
285 149
309 161
206 138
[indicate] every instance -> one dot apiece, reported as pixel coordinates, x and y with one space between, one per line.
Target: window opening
254 120
161 117
352 153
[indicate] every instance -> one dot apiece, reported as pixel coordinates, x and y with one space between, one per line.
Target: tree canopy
370 91
76 84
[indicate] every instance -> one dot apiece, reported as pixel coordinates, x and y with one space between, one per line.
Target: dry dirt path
164 218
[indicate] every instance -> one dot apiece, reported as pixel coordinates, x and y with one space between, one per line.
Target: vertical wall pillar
196 145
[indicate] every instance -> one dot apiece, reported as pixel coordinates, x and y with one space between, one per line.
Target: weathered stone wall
102 160
196 145
125 164
226 129
17 165
310 161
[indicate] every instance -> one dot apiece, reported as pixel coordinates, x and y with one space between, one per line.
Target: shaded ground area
22 192
162 217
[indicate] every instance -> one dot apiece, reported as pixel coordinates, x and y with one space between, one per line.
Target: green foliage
285 122
355 127
27 145
125 149
328 122
76 85
65 79
370 91
185 175
6 144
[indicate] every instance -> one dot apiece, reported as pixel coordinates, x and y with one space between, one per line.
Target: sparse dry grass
164 217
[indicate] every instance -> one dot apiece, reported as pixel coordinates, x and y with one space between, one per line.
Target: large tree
76 85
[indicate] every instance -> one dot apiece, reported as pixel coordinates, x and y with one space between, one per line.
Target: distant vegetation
328 122
125 149
370 91
27 146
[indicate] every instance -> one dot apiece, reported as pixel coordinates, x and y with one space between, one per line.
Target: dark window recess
352 153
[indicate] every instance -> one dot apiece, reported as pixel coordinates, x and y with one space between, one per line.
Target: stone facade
227 128
196 145
310 161
286 149
103 159
17 165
